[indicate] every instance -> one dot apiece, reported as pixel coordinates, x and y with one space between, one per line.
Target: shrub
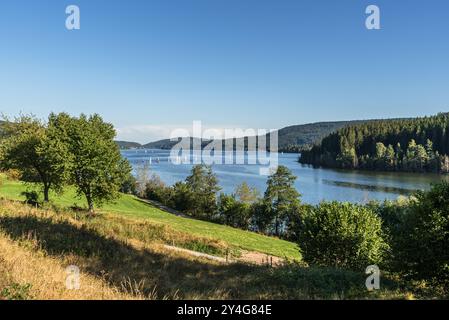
155 189
420 244
31 197
182 198
233 212
13 174
129 185
342 235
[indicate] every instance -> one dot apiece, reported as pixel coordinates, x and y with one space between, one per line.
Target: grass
121 258
130 206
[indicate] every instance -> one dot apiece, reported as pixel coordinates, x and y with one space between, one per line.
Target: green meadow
131 206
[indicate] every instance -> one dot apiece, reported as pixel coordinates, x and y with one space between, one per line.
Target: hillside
132 207
121 254
414 144
290 139
128 145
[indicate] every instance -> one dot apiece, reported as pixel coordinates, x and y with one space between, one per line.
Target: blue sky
149 66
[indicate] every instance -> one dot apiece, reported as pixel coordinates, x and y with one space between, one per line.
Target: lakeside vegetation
413 145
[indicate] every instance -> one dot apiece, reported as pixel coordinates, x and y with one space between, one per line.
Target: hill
128 145
413 144
121 253
130 206
290 139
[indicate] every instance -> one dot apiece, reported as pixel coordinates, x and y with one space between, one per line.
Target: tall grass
119 260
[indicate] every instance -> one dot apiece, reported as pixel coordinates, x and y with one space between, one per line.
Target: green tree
390 159
280 197
156 189
97 167
36 150
203 184
246 194
343 235
420 243
348 158
233 212
380 156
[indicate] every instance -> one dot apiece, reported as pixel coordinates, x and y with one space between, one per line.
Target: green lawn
131 206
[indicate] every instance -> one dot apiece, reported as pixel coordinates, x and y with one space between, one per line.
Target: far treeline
414 145
291 139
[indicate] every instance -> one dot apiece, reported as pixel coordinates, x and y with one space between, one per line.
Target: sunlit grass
131 206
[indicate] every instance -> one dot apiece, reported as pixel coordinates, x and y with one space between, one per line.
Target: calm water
314 184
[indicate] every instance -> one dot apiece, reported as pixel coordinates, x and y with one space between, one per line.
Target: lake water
314 184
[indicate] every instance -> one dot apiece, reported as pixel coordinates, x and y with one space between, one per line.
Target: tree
233 212
341 235
36 149
280 197
366 143
380 156
390 158
182 197
97 167
156 189
129 185
204 187
420 243
142 177
245 193
348 159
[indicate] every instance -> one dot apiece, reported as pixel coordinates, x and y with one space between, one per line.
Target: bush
420 244
129 185
31 197
13 174
182 197
234 213
341 235
155 189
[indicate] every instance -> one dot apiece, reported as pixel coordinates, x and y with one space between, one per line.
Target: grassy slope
131 206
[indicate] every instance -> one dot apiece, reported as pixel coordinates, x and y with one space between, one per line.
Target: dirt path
251 257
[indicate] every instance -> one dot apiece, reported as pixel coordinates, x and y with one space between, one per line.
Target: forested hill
290 139
298 137
128 144
419 145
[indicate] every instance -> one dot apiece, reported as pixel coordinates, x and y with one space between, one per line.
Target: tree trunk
46 192
90 203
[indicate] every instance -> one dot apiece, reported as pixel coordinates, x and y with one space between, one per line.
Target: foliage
97 168
203 185
182 197
143 173
31 197
341 235
37 151
129 184
420 240
245 193
280 199
233 212
13 174
378 145
156 189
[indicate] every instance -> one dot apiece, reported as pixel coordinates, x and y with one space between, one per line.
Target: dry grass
122 258
47 276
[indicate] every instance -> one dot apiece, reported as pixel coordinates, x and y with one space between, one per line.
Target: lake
314 184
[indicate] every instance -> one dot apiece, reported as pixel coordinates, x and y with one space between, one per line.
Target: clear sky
149 66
